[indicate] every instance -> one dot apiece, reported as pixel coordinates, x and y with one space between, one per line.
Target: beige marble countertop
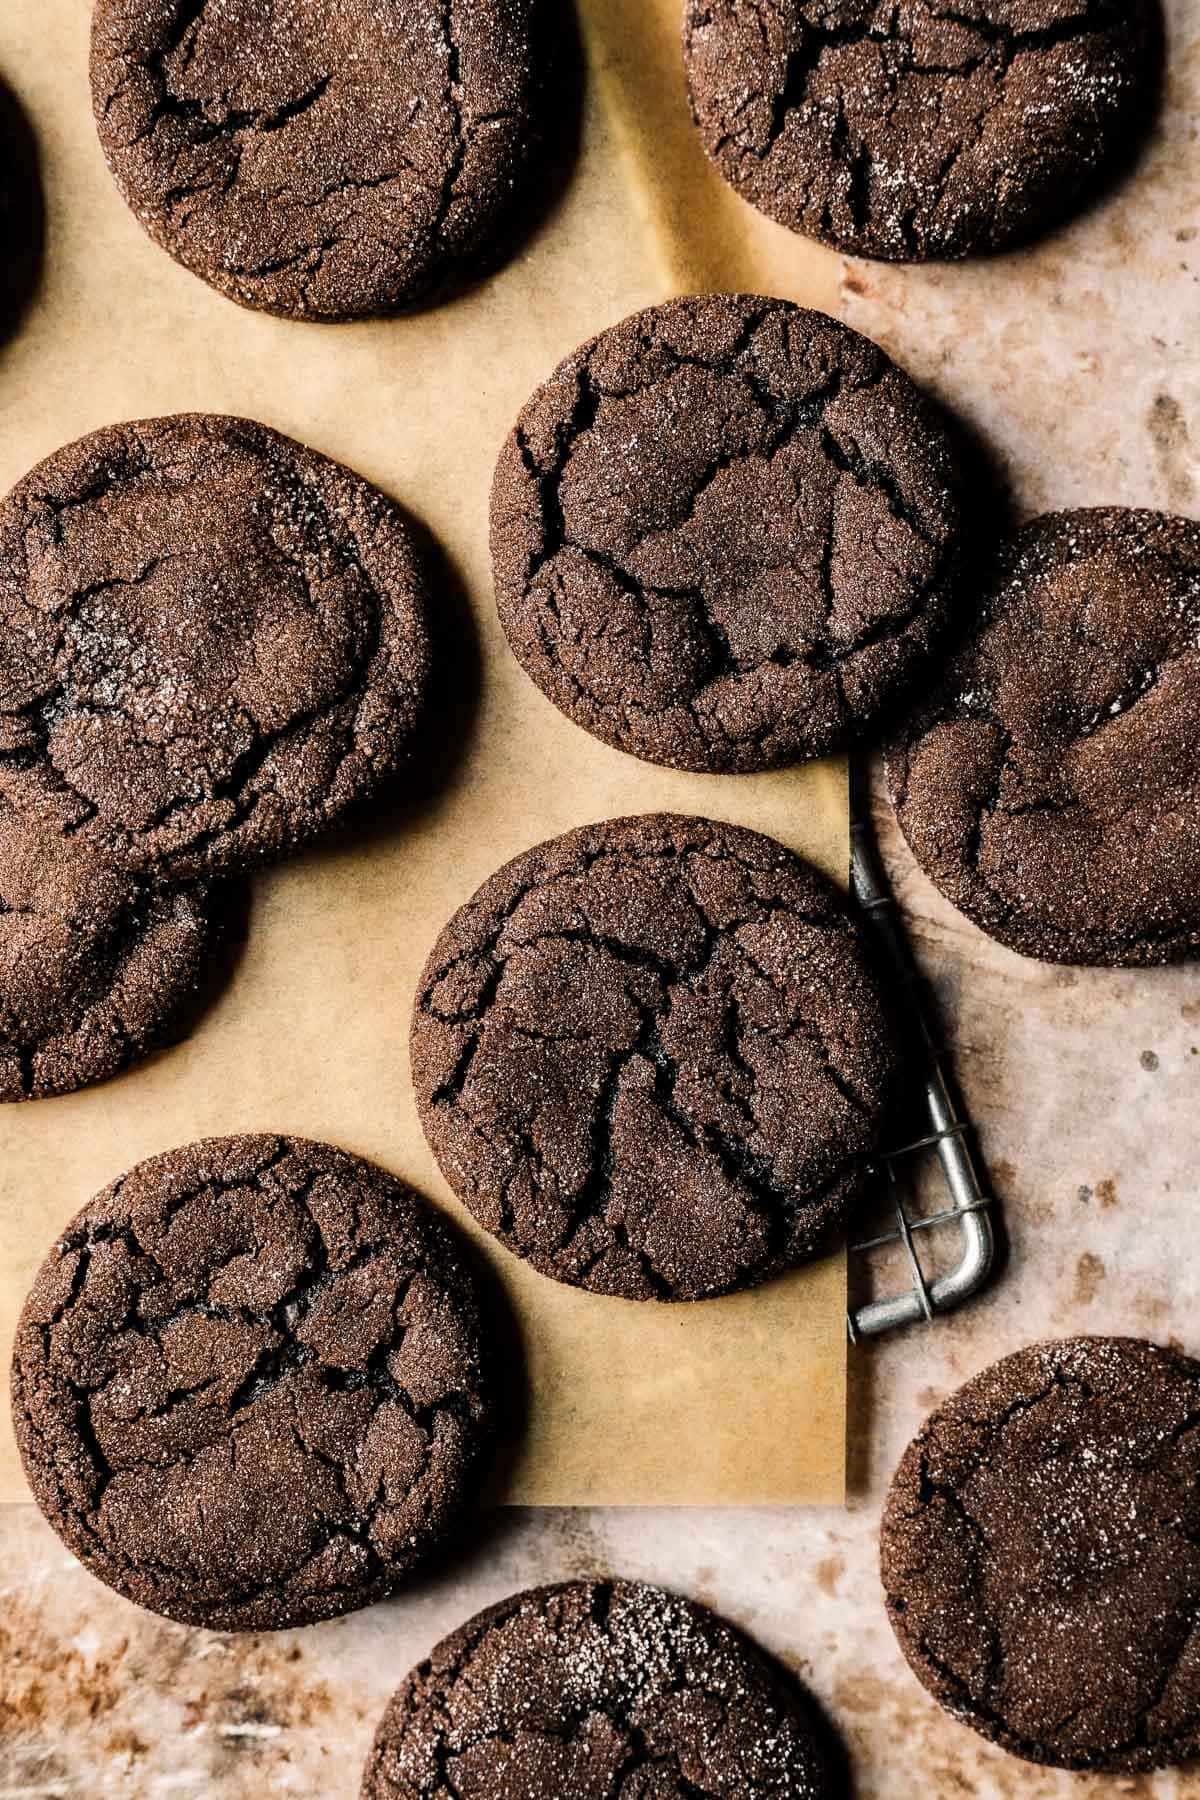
1076 363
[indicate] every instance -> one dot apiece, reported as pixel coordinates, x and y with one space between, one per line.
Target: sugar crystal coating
1041 1554
213 642
322 159
249 1386
96 966
724 533
597 1689
1049 782
919 130
651 1058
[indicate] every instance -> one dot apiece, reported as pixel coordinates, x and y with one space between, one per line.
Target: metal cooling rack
942 1131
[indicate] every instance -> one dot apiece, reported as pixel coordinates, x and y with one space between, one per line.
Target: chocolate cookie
1041 1554
212 643
97 967
918 132
328 159
723 532
649 1057
248 1384
1049 785
593 1689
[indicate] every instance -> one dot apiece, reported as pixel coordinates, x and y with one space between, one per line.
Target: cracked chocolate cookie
212 643
328 159
248 1384
1049 784
650 1058
918 132
97 968
723 533
597 1689
1041 1554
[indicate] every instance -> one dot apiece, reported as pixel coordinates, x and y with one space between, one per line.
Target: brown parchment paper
735 1401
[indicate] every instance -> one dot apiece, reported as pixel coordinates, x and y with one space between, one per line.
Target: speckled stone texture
1040 1554
651 1058
97 968
1049 784
597 1690
916 131
322 159
212 643
724 533
248 1384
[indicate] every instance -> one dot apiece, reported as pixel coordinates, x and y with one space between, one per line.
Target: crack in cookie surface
918 131
724 533
212 643
1041 1554
650 1058
331 159
248 1384
1049 784
604 1690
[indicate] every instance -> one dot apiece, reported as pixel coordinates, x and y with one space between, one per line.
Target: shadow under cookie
22 212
